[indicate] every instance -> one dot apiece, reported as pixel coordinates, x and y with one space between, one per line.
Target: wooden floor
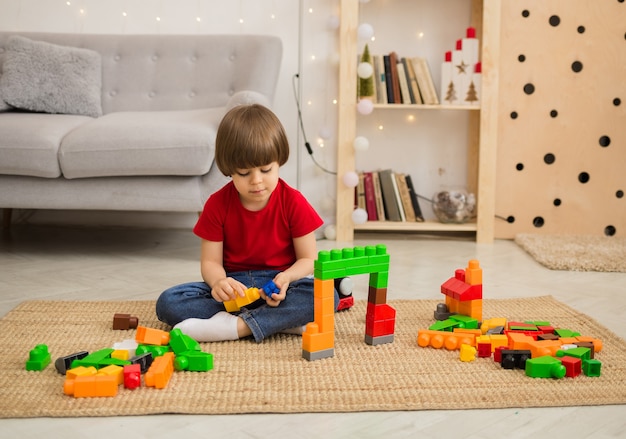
49 263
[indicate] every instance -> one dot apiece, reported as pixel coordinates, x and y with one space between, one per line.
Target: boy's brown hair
250 136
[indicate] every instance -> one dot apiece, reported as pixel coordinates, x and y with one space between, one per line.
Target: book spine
409 212
389 197
393 63
380 207
414 199
404 85
389 86
396 194
370 197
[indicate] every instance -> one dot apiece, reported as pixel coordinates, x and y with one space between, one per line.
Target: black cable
307 145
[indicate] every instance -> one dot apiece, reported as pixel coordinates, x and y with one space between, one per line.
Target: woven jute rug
272 377
576 252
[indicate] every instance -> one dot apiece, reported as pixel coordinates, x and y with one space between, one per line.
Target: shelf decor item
454 206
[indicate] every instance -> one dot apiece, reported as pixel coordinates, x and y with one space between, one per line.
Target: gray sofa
122 122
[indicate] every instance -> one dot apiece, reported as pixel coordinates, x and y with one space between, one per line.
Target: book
387 183
370 197
378 195
360 193
396 194
405 197
389 86
413 82
381 83
425 81
404 84
395 82
414 199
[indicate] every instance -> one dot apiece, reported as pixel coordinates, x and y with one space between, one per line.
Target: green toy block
444 325
94 359
113 361
538 322
379 279
180 342
38 358
195 361
545 367
582 353
528 327
566 333
155 350
591 367
466 322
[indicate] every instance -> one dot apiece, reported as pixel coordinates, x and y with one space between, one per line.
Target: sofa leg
6 218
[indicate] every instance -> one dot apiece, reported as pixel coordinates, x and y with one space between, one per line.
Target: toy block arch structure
318 340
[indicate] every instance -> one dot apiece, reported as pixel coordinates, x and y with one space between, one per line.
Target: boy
255 229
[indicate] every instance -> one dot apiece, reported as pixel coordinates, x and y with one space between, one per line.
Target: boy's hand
227 289
277 297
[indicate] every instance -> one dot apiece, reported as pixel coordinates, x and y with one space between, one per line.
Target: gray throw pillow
44 77
3 105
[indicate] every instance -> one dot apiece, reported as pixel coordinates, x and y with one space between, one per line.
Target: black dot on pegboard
557 202
583 177
514 114
521 58
529 89
617 102
510 219
609 230
538 221
554 113
549 158
555 20
525 13
605 141
577 66
619 193
581 29
519 166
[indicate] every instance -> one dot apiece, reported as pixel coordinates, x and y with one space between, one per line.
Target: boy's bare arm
213 273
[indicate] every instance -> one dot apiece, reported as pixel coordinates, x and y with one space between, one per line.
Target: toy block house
464 291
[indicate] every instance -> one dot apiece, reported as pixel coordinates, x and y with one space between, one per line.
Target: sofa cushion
45 77
142 143
29 143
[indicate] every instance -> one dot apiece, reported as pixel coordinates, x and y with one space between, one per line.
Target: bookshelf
480 123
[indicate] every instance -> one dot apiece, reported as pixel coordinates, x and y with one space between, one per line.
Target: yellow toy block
120 354
113 370
72 374
492 323
467 353
252 295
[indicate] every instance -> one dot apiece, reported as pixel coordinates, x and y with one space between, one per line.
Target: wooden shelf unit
482 132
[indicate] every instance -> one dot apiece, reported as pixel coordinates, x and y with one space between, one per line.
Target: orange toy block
492 323
597 344
160 371
313 340
449 340
252 295
473 273
86 386
113 370
519 341
472 308
152 336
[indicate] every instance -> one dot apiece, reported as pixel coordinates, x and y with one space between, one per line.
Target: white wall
310 49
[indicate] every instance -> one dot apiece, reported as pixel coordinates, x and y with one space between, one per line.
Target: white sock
221 327
298 330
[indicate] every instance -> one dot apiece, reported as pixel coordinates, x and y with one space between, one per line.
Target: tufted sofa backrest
174 72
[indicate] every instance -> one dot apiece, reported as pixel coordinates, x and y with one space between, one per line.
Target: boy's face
255 185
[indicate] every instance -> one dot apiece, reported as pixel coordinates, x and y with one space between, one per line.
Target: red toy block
573 366
132 376
484 349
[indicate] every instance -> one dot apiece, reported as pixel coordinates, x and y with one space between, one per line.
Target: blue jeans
194 300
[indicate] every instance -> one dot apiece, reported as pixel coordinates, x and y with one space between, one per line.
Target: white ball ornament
365 31
365 70
359 216
333 22
325 133
361 143
330 232
351 179
365 106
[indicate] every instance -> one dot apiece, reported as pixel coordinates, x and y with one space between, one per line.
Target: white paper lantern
359 216
330 232
365 106
351 179
365 31
325 133
361 143
333 22
365 70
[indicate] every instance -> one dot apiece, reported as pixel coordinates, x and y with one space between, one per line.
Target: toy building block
597 344
544 367
152 336
380 323
132 376
195 361
80 371
129 345
442 312
144 361
124 321
62 364
38 358
467 353
465 321
449 340
270 289
113 370
444 325
160 371
582 353
251 295
483 349
589 345
155 350
591 367
86 386
512 358
180 342
492 323
120 354
344 287
573 366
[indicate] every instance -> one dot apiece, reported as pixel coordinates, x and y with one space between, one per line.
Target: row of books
388 196
401 80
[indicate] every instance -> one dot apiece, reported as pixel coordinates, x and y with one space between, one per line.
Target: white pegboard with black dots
561 164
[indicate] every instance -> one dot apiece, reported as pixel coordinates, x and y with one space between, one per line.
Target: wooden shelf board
404 226
426 107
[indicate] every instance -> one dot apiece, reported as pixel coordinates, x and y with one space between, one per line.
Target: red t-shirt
260 240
